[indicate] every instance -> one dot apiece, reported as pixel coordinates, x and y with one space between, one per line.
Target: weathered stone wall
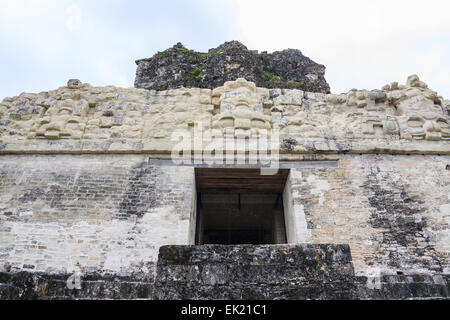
100 213
234 272
255 272
111 213
286 272
27 285
393 211
83 119
77 191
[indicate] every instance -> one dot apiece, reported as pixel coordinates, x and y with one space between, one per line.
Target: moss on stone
165 85
195 74
212 69
272 81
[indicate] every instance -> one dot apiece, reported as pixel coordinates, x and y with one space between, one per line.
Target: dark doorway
240 206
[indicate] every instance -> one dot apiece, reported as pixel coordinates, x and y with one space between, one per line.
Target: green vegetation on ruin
272 81
165 85
195 74
193 68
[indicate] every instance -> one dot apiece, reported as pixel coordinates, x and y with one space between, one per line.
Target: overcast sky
363 44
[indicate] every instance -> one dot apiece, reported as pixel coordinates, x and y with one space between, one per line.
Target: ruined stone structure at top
180 67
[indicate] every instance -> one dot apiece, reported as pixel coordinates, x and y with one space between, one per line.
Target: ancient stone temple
237 191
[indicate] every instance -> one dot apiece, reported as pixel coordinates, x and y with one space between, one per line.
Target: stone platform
244 272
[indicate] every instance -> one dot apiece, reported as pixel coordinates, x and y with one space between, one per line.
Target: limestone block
401 114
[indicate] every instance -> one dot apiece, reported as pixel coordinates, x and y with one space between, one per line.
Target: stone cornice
81 119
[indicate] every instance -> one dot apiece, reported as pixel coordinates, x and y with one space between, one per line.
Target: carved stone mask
419 118
241 107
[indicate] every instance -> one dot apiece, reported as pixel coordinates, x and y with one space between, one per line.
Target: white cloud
107 71
46 42
23 10
38 23
73 17
363 44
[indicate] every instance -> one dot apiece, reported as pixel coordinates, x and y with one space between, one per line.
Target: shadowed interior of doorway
240 206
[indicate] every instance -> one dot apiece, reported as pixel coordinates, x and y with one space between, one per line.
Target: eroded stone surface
108 213
255 272
233 272
111 213
82 118
180 67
